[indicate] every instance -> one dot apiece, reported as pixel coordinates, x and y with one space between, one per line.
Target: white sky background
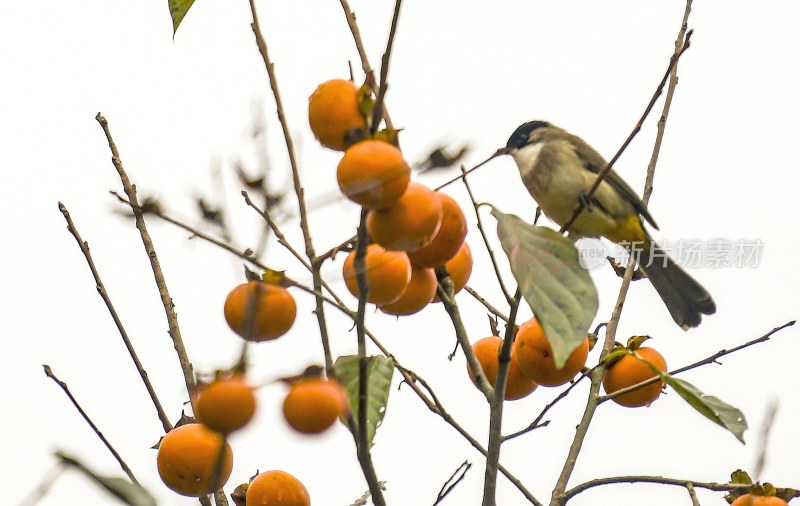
462 72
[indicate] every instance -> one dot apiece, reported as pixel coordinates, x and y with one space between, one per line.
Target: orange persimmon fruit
535 357
188 456
333 111
487 351
259 311
373 174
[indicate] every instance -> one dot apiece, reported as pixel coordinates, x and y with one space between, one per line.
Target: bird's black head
521 135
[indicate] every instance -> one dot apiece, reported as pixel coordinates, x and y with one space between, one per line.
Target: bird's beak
503 151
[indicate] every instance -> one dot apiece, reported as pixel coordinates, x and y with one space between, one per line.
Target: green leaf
379 381
740 477
178 10
709 406
787 494
124 490
558 289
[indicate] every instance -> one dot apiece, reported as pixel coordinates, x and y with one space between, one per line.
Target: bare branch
362 53
65 388
273 83
486 303
161 283
101 289
486 243
499 152
717 487
452 481
377 111
712 359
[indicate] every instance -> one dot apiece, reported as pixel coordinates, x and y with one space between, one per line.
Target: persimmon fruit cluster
409 223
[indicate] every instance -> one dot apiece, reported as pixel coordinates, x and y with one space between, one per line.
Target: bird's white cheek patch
527 157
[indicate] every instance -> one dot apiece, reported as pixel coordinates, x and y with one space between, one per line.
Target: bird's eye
521 136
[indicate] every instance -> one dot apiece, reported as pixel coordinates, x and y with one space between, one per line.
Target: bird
559 168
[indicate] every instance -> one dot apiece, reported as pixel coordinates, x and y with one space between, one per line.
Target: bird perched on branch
559 168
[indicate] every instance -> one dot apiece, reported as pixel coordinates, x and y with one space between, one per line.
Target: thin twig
279 235
711 359
244 254
681 44
485 303
336 302
537 422
499 152
433 403
454 479
273 83
362 53
101 289
343 246
163 291
377 111
65 388
717 487
607 167
486 243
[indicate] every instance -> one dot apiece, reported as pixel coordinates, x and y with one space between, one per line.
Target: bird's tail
684 297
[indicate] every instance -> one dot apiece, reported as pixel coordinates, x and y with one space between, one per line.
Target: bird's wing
593 162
